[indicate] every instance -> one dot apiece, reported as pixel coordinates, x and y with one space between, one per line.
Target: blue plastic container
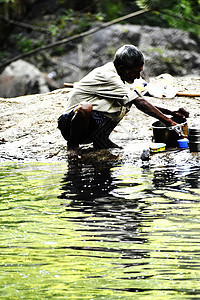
183 143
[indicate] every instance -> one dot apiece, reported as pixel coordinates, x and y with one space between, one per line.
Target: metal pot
194 139
163 134
194 146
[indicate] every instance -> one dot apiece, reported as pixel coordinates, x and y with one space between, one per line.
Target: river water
126 229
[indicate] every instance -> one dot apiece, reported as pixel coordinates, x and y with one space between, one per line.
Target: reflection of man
90 191
100 100
86 184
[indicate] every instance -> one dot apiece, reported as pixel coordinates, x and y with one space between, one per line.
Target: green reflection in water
140 240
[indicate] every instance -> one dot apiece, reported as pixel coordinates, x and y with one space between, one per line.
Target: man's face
129 75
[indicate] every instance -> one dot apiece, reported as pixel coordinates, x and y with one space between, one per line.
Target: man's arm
180 113
153 111
165 111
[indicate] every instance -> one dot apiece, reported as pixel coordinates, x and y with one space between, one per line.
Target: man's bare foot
73 153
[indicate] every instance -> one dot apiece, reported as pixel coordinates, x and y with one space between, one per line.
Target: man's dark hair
128 56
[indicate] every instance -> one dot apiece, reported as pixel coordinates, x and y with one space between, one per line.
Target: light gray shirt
105 90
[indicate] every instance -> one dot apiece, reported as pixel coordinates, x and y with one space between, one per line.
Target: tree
182 14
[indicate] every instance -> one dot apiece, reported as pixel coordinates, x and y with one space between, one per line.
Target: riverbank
29 123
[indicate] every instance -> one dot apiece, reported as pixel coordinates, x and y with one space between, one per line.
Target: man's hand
171 123
180 115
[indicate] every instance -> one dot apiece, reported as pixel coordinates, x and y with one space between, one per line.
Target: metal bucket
162 134
194 139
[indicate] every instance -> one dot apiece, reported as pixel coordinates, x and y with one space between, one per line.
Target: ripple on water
101 231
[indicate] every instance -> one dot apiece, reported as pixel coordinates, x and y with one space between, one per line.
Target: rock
51 83
145 156
21 78
166 50
28 126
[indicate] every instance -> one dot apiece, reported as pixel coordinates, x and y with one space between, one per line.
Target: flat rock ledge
29 130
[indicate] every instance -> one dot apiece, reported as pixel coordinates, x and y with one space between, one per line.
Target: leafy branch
24 25
74 37
177 17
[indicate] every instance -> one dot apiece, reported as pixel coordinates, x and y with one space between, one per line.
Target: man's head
129 63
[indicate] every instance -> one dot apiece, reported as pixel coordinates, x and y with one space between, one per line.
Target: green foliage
4 55
13 8
73 22
184 11
106 10
154 4
7 1
4 6
25 44
99 17
160 51
60 1
67 21
53 29
111 51
111 9
176 13
59 50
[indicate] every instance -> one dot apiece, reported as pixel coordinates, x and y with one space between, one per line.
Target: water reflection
141 220
179 167
116 231
87 182
189 176
106 217
193 178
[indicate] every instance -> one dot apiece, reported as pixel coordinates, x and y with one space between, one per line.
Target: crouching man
101 99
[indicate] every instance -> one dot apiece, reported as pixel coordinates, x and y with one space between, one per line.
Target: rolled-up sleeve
130 97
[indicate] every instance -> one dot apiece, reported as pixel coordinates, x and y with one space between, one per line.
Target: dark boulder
166 50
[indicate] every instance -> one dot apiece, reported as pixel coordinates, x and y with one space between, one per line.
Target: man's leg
103 126
86 125
74 127
79 125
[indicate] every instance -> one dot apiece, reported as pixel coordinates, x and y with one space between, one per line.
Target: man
100 100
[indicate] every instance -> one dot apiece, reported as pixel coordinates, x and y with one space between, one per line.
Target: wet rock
101 156
28 126
145 156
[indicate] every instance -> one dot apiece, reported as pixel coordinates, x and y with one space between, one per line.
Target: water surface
127 230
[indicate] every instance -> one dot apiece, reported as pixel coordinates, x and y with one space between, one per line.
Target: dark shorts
99 124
